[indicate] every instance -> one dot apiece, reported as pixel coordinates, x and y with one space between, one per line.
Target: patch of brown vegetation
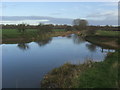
111 43
64 76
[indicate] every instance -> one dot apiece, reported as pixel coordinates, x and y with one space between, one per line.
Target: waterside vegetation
90 74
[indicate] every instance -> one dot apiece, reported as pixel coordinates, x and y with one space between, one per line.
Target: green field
107 33
13 33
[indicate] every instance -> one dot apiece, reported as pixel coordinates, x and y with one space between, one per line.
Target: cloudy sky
97 13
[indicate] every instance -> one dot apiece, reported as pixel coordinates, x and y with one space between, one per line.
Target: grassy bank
106 39
13 36
108 33
13 33
102 74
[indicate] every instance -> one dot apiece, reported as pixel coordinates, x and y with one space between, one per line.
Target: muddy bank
104 41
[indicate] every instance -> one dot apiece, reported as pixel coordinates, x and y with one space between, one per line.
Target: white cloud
104 18
31 22
104 15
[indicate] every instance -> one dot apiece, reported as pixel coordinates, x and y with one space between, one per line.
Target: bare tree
80 24
21 27
44 28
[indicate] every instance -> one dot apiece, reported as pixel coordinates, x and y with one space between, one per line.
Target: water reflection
107 50
23 46
91 47
77 39
43 42
69 36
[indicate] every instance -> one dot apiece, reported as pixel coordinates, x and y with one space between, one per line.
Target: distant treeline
36 26
66 27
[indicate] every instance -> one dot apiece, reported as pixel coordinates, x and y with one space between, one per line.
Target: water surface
25 64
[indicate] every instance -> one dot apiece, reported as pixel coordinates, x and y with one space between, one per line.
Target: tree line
78 24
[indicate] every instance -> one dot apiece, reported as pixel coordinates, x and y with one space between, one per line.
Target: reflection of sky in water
26 67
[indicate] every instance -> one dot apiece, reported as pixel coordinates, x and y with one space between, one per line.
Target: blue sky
71 10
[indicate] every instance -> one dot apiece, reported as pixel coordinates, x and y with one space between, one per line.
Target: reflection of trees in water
91 47
23 46
77 39
43 40
107 50
69 36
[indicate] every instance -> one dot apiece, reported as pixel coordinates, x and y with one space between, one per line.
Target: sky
97 13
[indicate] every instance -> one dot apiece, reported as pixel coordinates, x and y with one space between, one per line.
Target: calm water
25 64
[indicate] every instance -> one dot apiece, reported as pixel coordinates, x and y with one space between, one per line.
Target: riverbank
91 74
13 36
105 39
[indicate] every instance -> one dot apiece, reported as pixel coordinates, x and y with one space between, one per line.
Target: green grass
13 33
107 33
13 36
57 30
9 33
102 74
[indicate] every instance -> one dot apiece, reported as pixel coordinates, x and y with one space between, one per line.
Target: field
13 33
108 33
13 36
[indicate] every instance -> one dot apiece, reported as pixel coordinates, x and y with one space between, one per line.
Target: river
25 64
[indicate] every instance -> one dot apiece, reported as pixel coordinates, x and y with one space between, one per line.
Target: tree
21 27
68 28
80 24
44 28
